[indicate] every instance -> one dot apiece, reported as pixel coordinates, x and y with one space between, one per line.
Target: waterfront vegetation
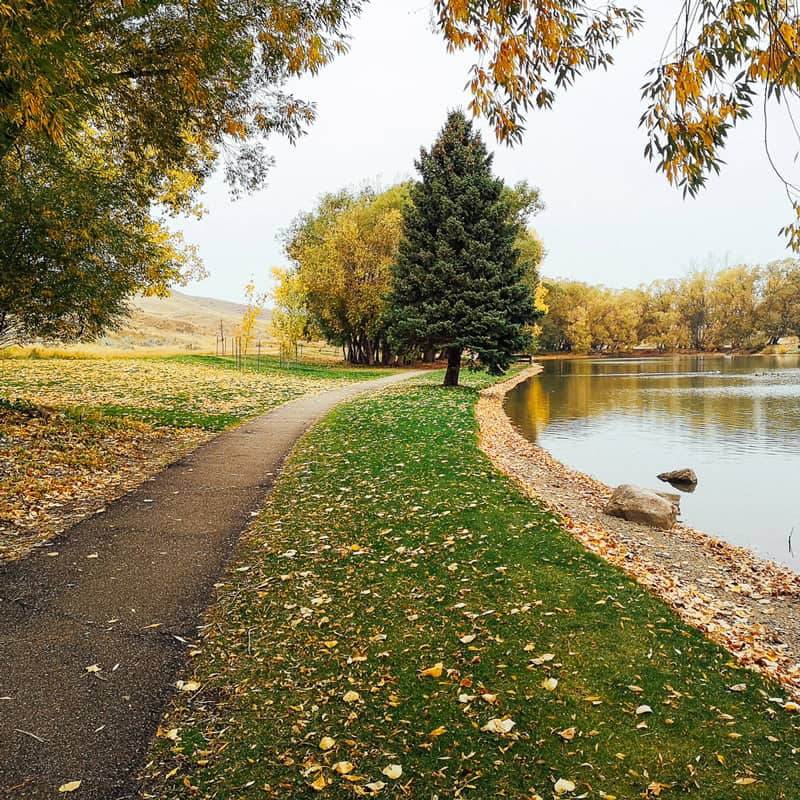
741 307
402 622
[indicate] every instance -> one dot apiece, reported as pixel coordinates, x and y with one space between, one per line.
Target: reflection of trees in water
529 406
709 391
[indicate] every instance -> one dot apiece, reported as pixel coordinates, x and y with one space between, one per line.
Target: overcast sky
609 219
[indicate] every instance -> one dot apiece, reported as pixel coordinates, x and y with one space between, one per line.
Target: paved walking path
93 630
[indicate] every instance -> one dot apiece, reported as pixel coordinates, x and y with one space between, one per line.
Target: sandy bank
749 605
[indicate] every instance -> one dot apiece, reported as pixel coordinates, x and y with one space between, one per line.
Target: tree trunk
453 366
429 355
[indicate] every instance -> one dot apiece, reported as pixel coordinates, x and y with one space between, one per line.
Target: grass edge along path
77 433
403 622
109 612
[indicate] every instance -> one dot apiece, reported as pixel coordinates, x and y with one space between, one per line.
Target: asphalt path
95 628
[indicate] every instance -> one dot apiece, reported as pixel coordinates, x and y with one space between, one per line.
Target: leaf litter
290 637
78 433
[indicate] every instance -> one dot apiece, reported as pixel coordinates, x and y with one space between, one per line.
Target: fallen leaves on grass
499 725
392 771
682 579
562 786
78 433
56 469
314 620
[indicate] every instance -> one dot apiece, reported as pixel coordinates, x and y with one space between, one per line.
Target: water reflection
736 421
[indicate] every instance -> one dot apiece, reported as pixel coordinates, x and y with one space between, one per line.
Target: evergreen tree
457 282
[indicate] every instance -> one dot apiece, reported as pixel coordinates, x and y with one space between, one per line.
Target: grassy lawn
77 432
184 391
273 365
402 622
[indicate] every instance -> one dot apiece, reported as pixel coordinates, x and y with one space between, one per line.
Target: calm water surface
735 421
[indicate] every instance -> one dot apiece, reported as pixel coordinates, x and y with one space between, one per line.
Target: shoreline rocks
642 505
685 476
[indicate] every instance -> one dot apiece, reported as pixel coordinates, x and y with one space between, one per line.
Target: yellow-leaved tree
342 254
254 305
290 323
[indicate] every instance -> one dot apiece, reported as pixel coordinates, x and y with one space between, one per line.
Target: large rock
642 505
673 498
684 475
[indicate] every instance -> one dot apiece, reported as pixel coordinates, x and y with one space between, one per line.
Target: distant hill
178 323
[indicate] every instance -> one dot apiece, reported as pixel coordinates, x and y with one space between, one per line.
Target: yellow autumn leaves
346 769
63 455
528 49
433 672
728 53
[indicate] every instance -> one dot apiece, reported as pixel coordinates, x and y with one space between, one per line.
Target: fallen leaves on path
78 433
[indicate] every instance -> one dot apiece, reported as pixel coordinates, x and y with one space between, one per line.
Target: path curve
94 630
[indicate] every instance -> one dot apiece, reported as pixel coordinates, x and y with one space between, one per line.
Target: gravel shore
748 605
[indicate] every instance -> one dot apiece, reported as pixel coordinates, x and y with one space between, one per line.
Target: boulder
642 505
684 475
673 498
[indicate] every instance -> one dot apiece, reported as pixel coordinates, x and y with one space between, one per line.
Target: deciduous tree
77 239
290 322
342 254
778 307
732 298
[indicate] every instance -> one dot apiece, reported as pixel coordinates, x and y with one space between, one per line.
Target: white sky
609 219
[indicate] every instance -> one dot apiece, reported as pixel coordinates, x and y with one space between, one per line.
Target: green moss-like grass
389 539
272 364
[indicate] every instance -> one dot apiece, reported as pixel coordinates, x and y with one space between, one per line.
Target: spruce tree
457 283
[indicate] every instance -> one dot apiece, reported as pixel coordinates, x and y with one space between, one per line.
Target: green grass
175 417
269 363
389 539
203 392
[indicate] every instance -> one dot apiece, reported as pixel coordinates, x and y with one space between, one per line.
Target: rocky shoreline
748 605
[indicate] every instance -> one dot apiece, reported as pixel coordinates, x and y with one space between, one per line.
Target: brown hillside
180 322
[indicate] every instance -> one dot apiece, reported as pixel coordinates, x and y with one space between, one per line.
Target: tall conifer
457 283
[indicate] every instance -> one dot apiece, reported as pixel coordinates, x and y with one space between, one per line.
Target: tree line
741 307
113 115
346 254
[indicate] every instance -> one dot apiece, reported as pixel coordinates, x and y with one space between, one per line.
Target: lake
735 421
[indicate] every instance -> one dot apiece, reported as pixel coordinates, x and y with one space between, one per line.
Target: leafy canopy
77 239
173 82
181 82
740 307
342 254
